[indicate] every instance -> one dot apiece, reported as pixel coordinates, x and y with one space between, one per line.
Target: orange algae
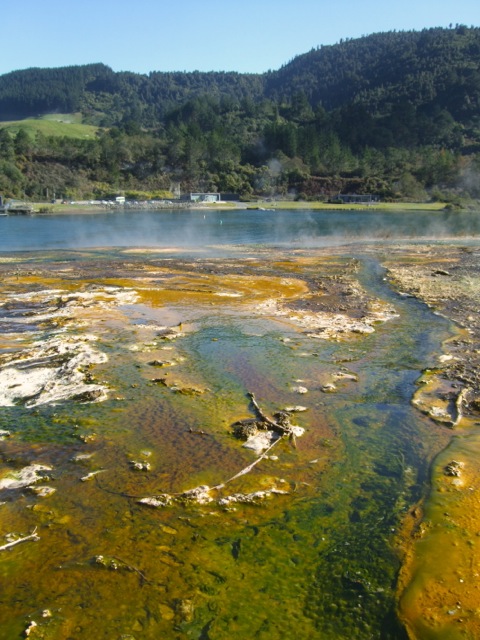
442 570
216 290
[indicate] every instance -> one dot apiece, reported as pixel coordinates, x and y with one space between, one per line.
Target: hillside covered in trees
396 114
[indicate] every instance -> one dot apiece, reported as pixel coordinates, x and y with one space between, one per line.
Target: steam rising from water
470 181
202 230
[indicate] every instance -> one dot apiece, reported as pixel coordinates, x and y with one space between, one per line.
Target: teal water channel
318 561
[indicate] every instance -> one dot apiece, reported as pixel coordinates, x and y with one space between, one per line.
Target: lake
204 228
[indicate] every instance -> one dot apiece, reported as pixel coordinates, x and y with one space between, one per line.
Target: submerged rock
250 498
188 391
454 468
170 333
300 389
176 387
344 375
81 457
184 610
160 363
41 491
328 388
298 408
91 475
244 429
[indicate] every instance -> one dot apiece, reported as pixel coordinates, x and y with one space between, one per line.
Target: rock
328 388
30 628
282 418
159 363
4 434
185 610
454 468
140 466
91 475
90 395
53 370
300 389
163 500
250 498
25 477
188 391
200 495
244 429
342 375
41 491
261 441
81 457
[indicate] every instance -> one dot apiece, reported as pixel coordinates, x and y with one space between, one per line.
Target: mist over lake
205 228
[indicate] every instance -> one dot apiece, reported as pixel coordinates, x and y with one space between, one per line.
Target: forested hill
396 114
107 97
431 69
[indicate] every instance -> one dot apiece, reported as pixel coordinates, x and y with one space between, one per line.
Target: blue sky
249 36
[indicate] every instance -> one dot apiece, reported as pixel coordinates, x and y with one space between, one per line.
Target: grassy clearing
378 206
59 124
281 205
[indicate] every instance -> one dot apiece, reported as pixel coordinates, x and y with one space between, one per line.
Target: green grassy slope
58 124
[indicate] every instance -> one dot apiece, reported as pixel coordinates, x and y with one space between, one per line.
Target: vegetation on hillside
396 114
